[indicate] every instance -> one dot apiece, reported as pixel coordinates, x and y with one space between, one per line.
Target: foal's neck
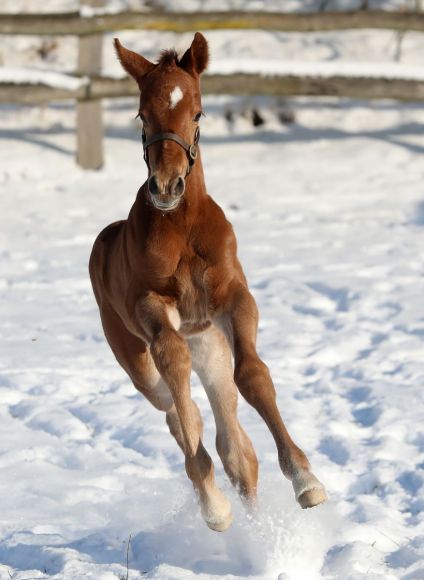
195 191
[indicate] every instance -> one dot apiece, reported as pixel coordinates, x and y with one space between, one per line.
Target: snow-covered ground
329 213
329 216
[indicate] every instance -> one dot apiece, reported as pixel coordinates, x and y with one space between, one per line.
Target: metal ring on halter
193 152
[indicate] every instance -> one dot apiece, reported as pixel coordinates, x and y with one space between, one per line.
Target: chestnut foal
172 295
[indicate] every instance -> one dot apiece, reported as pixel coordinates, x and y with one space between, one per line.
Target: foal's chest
192 290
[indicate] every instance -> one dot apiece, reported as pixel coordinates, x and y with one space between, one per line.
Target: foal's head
170 109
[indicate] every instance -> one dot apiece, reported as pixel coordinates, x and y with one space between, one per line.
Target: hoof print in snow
367 416
335 450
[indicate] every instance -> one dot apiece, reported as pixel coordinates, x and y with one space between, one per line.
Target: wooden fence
75 23
89 26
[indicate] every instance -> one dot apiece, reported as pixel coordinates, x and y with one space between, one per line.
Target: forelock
168 57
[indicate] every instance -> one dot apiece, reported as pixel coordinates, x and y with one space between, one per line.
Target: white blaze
175 97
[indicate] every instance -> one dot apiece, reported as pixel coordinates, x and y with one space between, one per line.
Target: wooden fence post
89 113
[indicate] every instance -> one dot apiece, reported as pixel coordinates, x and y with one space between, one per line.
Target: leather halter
191 150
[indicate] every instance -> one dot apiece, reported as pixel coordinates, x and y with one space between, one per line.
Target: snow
114 7
34 77
318 69
329 214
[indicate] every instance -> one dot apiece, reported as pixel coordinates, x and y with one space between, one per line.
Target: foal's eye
142 117
197 117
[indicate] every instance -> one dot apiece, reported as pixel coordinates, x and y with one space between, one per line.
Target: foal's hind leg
212 362
255 384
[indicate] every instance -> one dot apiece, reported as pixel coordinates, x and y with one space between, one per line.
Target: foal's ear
136 65
196 58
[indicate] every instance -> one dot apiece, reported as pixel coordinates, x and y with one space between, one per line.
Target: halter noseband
191 150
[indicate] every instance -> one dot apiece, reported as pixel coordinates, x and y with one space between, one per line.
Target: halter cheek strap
191 150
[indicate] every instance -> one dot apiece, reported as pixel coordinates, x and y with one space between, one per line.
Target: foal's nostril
153 185
178 186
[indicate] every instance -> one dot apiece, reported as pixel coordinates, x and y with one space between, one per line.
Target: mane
168 57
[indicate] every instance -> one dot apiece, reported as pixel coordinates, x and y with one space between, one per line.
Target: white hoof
216 512
221 523
308 490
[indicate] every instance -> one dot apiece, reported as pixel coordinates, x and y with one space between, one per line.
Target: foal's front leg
172 358
252 377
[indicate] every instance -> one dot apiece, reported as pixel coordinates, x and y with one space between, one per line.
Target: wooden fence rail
74 23
232 84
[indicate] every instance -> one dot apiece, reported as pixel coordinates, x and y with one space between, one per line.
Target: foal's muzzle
166 196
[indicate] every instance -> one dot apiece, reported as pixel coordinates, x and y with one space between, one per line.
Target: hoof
312 497
220 525
308 489
216 511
